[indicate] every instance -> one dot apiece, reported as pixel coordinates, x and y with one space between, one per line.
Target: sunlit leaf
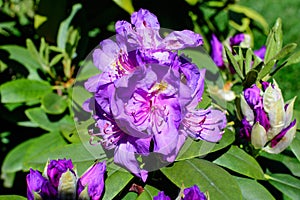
62 35
274 41
23 90
208 176
126 5
233 62
12 197
239 161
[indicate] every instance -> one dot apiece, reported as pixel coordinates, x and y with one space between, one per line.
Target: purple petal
56 168
193 193
261 117
205 124
252 97
125 156
237 39
278 137
246 129
177 40
161 196
39 184
93 178
144 19
217 52
261 52
106 55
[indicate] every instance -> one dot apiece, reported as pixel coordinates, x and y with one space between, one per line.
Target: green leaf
126 5
52 140
251 189
34 53
233 62
295 145
80 153
286 50
22 90
209 177
12 197
62 35
239 161
148 193
38 116
274 41
285 183
293 59
54 104
192 148
293 164
13 162
130 196
22 55
117 179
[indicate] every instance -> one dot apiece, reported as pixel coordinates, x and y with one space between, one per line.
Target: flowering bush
151 113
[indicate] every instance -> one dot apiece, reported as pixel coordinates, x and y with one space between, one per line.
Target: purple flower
145 100
267 119
56 168
61 182
161 196
93 179
37 185
218 53
193 193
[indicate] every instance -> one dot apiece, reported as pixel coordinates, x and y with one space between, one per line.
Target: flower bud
67 185
93 180
258 136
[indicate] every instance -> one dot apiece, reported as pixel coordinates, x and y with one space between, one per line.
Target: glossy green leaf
192 148
251 189
295 145
287 184
52 140
80 153
148 193
274 41
293 164
39 117
239 161
208 176
117 179
22 55
126 5
12 197
54 104
13 162
62 35
22 90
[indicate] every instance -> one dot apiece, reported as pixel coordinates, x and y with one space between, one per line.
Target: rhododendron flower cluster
60 181
268 121
145 98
